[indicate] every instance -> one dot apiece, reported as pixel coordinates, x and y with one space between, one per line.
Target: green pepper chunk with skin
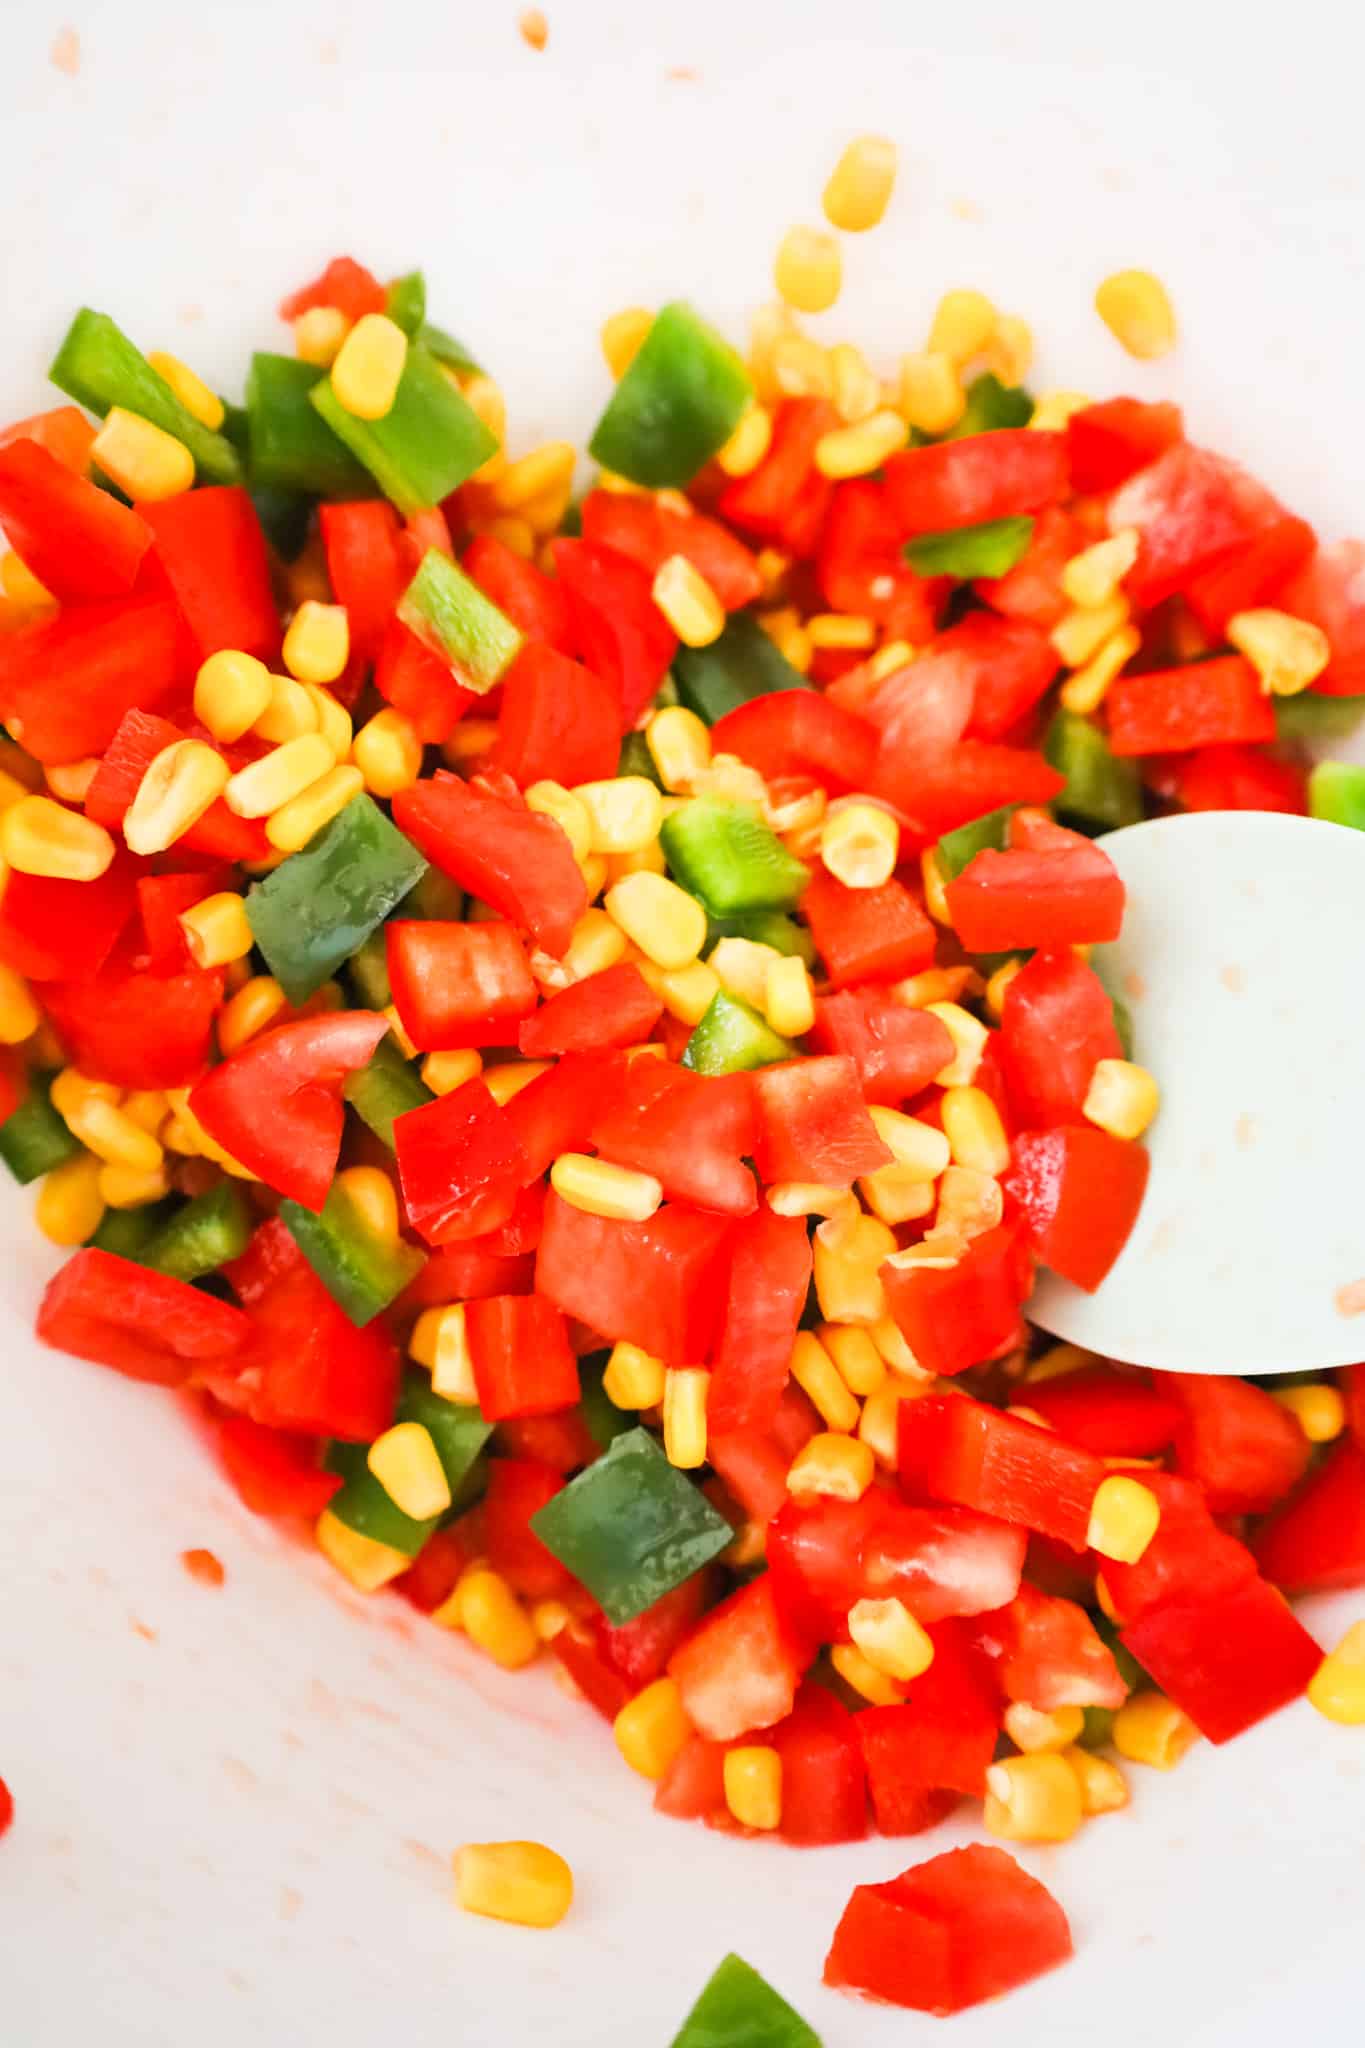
730 860
958 848
766 928
1336 792
367 970
445 348
988 550
1102 792
289 447
100 368
732 1038
678 403
128 1232
362 1271
450 615
457 1429
428 443
990 406
744 663
1312 718
202 1235
33 1138
636 759
739 2009
406 304
631 1527
604 1420
309 915
385 1088
363 1505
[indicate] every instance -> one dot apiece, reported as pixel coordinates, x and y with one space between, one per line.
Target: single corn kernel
889 1636
1134 306
144 461
317 644
1057 1362
494 1619
1009 353
1122 1098
183 782
859 187
104 1129
1287 653
511 529
1052 411
70 1207
71 780
837 1467
216 930
969 1036
601 1189
231 691
266 786
405 1462
319 333
667 924
684 1416
255 1005
549 1618
523 1882
19 1014
1150 1729
294 823
788 998
1081 633
290 712
748 444
597 943
789 636
1093 576
1086 688
1319 1410
742 967
133 1187
41 837
861 1366
923 1149
444 1072
889 1340
849 1252
859 449
808 1198
860 845
857 387
679 746
753 1785
1104 1789
647 860
388 753
998 986
369 366
878 1425
546 470
367 1564
624 814
193 393
622 335
890 656
512 1076
820 1380
633 1378
334 720
867 1681
1035 1732
485 399
688 602
373 1196
842 631
895 1195
808 270
686 992
964 322
19 584
71 1089
440 1341
1033 1799
569 812
652 1729
1337 1688
935 886
773 567
969 1202
972 1126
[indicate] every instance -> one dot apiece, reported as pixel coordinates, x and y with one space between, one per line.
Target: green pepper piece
384 1088
450 614
631 1527
636 759
744 663
1123 1024
444 347
288 447
457 1429
234 427
406 305
988 550
740 2009
732 1039
362 1271
33 1138
957 848
285 517
730 859
100 368
128 1232
1313 718
571 525
990 406
367 970
1102 792
604 1420
766 928
680 401
363 1505
312 911
427 443
1336 792
202 1235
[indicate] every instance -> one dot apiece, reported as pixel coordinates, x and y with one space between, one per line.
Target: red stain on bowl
1350 1299
65 54
203 1567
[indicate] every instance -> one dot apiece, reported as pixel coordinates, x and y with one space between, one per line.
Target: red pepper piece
943 1562
740 1669
861 566
580 1653
691 1131
896 1050
693 1787
459 1164
1006 664
620 631
137 1321
867 934
64 431
1206 704
1079 1190
1229 1661
68 681
80 543
519 1349
138 1030
419 684
813 1124
520 1233
824 1779
1236 1442
658 1284
365 568
440 1564
961 1450
517 860
982 477
650 533
785 498
318 1372
1186 508
517 1489
1048 1653
558 723
800 732
1316 1541
1110 442
640 1649
1252 574
458 1272
274 1473
613 1008
459 984
160 900
533 601
1189 1557
562 1441
63 931
1327 592
754 1467
1114 1414
210 545
961 1316
1238 779
770 1273
963 1927
1032 589
943 1740
1013 901
940 788
345 284
271 1254
1057 1022
557 1111
140 737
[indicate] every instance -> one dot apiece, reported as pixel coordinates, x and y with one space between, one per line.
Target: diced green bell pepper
730 859
1123 1024
428 442
362 1271
744 663
990 406
33 1138
406 305
436 895
766 928
367 970
444 347
571 525
285 517
732 1039
289 447
678 403
740 2009
1314 718
234 427
128 1232
957 848
312 911
631 1527
1336 792
636 759
363 1505
988 550
604 1420
450 614
202 1235
1102 792
384 1088
100 368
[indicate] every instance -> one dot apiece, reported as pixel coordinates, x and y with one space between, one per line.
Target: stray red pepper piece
459 1164
955 1449
274 1473
518 861
650 533
1079 1190
1110 442
740 1669
1326 591
1057 1022
558 722
420 685
1189 1558
784 499
1252 574
1227 1661
80 543
1018 900
137 1321
557 1111
658 1284
1187 514
813 1123
519 1349
533 601
1032 589
67 681
1316 1541
517 1489
980 478
867 934
318 1373
1238 779
770 1271
1112 1413
824 1779
210 545
613 1008
345 284
1236 1442
963 1315
799 732
896 1050
620 631
459 985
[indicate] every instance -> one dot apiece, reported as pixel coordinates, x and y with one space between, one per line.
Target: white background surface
236 1807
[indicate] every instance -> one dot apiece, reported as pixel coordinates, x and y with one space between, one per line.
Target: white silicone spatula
1242 961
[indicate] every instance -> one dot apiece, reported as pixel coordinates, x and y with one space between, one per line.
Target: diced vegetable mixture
566 1019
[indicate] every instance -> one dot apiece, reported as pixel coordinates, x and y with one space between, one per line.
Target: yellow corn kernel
789 636
857 388
294 823
1057 1362
569 812
1318 1409
405 1462
494 1619
317 644
367 1564
859 187
374 1198
444 1072
470 741
773 567
259 1003
849 1252
859 449
290 712
143 460
1052 411
836 1466
334 720
1150 1729
1104 1789
549 1618
890 656
688 602
652 1728
1093 576
728 780
964 322
798 817
264 787
1009 352
633 1378
511 529
104 1129
753 1785
523 1882
1033 1799
969 1202
1287 653
998 985
1036 1732
485 399
679 746
19 1014
788 998
1081 633
935 886
319 333
71 1089
969 1036
647 860
922 1149
808 270
684 1416
19 584
216 930
860 1365
860 845
622 335
133 1187
866 1680
820 1380
749 442
890 1638
597 943
179 786
624 814
1122 1098
388 753
686 992
41 837
1337 1688
71 780
231 691
547 469
896 1195
878 1426
512 1076
742 967
1086 688
440 1341
808 1198
70 1206
667 924
601 1189
368 367
193 393
971 1123
1134 306
886 1335
845 631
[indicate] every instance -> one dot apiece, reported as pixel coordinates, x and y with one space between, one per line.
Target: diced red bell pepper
533 601
440 1564
275 1103
1112 441
740 1669
52 930
1048 1653
1079 1190
1057 1022
1238 779
1006 663
1205 704
1329 591
579 1651
517 1489
941 1561
982 477
1189 1557
519 1349
318 1372
137 1030
1253 574
939 789
693 1787
136 1320
459 1272
799 732
345 284
785 498
770 1269
66 682
13 1082
419 684
1236 1442
613 1008
867 934
558 723
275 1473
861 567
960 1316
1016 900
63 431
1032 589
210 545
459 984
271 1253
521 1231
650 533
1187 513
562 1440
557 1111
1353 1387
963 1927
518 861
959 1450
658 1284
459 1164
1316 1542
1114 1414
824 1779
691 1131
365 568
640 1649
140 737
896 1050
80 543
754 1467
1228 1661
942 1740
813 1124
160 901
620 631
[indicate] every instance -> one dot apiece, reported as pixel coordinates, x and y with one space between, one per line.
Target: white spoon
1242 961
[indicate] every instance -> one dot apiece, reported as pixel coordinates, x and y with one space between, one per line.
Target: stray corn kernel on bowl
244 1769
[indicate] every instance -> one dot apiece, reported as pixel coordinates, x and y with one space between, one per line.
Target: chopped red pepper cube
813 1124
160 900
519 861
460 1272
1006 663
824 1779
274 1473
961 1316
960 1450
785 498
1018 900
896 1050
1056 1024
561 1440
1186 511
138 1030
1189 1557
691 1131
1227 1661
940 788
52 930
861 566
1236 1442
558 723
459 1164
1204 704
519 1349
517 1489
658 1284
80 543
941 1740
365 568
1079 1190
640 1649
419 684
613 1008
1316 1541
1048 1653
799 732
210 546
459 984
318 1372
867 934
650 533
769 1280
1110 442
621 633
1327 592
345 284
533 601
740 1669
557 1111
440 1564
1111 1412
941 1561
138 1321
1253 574
578 1649
67 681
979 478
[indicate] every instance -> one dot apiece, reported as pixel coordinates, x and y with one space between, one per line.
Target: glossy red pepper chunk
345 284
1186 509
160 901
137 1030
740 1669
651 533
365 569
1112 1412
960 1316
1111 441
460 1166
1019 900
1236 1442
861 566
1253 574
1316 1541
209 545
68 680
658 1284
639 1650
458 985
1048 1654
961 1450
138 1321
941 787
799 732
557 1111
866 935
896 1050
620 632
824 1779
1204 704
1237 778
1227 1661
519 1349
80 543
979 478
64 431
1326 590
604 1012
274 1472
420 685
941 1740
52 930
693 1132
440 1564
1189 1557
558 721
1056 1024
769 1279
1006 664
517 1489
1079 1191
518 861
813 1123
784 500
533 601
